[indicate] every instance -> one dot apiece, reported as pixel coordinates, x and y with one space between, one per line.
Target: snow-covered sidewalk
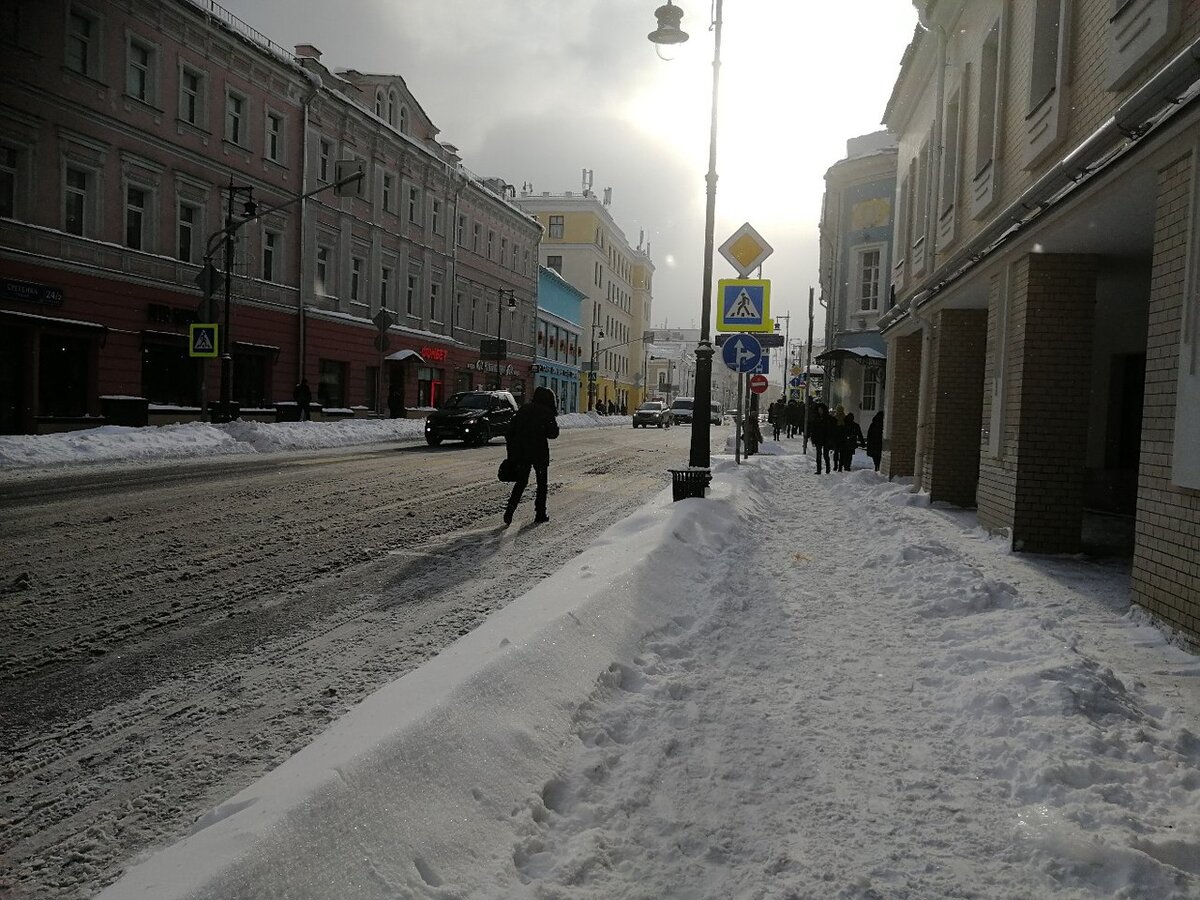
799 687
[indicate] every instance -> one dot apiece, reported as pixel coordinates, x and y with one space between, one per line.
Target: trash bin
689 482
287 411
132 411
215 413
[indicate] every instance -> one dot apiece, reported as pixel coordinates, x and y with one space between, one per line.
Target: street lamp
511 306
592 369
250 208
669 33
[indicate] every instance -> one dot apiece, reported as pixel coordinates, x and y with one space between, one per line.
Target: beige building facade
583 243
1042 345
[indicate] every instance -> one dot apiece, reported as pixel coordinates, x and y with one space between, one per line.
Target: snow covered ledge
418 786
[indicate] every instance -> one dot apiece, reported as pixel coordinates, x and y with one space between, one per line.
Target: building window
1043 77
391 108
491 244
555 263
435 302
503 249
324 153
460 234
322 271
82 44
404 120
275 137
950 155
356 266
870 391
414 204
331 383
921 201
379 103
78 200
387 193
189 228
458 299
989 72
475 232
191 96
436 214
410 294
385 281
270 251
868 280
8 183
557 227
235 119
135 217
139 73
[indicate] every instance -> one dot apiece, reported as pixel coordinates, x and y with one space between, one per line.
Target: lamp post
667 33
500 307
231 226
592 369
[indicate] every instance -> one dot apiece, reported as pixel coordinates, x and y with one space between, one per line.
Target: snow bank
418 786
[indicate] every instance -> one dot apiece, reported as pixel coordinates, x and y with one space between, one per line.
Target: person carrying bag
533 427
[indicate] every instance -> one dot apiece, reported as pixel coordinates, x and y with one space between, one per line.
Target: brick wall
1052 329
903 388
956 392
1166 561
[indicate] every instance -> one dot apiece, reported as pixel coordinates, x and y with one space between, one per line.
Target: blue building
557 354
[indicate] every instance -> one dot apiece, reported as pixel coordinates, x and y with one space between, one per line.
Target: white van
682 411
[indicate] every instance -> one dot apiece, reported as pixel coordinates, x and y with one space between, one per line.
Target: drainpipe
301 329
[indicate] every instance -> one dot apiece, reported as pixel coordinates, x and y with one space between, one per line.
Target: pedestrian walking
837 424
820 433
777 417
795 418
875 439
302 394
852 439
533 427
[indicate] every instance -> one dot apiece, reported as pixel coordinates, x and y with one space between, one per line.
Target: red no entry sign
758 384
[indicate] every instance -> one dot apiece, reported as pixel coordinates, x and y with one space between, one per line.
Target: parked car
652 412
472 416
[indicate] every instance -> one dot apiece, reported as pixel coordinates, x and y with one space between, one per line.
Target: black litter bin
689 482
287 412
217 414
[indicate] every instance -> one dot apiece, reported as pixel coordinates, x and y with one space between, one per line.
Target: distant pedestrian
820 433
303 397
836 426
852 439
396 402
777 417
875 439
533 427
795 418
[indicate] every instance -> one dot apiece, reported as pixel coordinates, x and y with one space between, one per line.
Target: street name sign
745 305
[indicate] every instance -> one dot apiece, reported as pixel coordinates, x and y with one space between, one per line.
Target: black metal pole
699 457
226 332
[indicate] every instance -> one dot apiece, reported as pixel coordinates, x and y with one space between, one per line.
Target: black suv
472 416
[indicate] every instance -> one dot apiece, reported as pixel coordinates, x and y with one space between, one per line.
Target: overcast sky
538 90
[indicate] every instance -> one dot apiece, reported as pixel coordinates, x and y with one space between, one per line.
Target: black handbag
507 470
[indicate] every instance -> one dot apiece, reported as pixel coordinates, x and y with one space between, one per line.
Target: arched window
404 119
391 109
379 103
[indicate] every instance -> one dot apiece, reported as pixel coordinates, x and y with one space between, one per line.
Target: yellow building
582 242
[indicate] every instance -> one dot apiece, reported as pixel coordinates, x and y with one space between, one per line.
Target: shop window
169 375
331 386
429 386
251 379
62 376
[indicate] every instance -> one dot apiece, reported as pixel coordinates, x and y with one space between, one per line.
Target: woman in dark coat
875 439
533 427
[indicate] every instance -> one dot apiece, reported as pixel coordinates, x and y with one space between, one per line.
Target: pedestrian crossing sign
202 340
745 305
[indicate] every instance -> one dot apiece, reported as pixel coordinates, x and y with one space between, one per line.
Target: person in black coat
795 418
875 439
820 430
852 439
533 427
303 397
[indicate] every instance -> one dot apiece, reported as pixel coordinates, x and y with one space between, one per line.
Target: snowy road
168 639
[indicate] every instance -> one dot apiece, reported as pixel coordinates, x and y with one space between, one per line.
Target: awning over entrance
22 318
402 355
866 355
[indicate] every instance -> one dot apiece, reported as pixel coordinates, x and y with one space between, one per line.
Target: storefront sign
481 365
433 354
30 292
169 315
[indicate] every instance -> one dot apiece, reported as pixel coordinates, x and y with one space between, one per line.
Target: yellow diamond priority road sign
745 250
